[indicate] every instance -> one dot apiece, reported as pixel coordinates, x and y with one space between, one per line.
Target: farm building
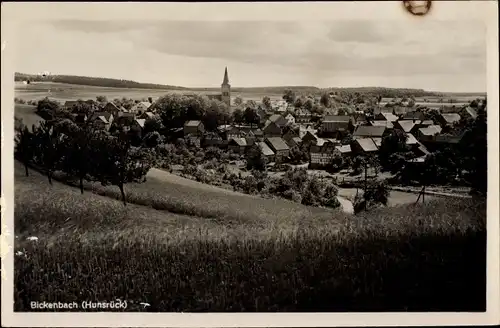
279 147
102 120
411 140
364 146
365 131
310 139
195 128
332 124
290 134
138 125
256 133
294 142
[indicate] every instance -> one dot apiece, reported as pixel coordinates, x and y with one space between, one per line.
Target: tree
238 116
101 99
150 99
341 112
308 104
289 96
24 148
250 116
238 101
255 160
48 147
393 143
266 101
79 151
298 156
120 163
48 109
299 102
325 100
152 124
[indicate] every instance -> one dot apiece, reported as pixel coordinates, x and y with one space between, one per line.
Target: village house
302 116
414 115
279 147
469 112
365 131
421 124
271 130
279 120
138 125
335 124
321 156
428 134
237 145
195 128
448 120
140 107
147 115
309 139
294 142
256 133
343 150
267 152
290 134
111 108
364 146
405 125
357 120
102 120
290 118
385 116
304 129
389 125
212 139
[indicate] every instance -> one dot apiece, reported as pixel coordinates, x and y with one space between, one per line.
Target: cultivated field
259 255
63 92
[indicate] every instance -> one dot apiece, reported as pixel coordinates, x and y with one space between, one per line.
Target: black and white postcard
250 164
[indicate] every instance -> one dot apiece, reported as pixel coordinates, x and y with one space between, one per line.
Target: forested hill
93 81
117 83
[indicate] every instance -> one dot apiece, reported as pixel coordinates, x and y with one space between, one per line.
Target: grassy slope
27 114
429 258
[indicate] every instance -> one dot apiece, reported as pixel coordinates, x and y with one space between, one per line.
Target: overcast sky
441 56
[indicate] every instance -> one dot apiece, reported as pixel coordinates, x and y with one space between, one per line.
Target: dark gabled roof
277 143
266 151
337 118
369 131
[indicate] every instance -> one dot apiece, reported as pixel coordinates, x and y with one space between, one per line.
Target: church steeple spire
226 78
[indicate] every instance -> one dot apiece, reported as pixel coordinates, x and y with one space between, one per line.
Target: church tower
226 89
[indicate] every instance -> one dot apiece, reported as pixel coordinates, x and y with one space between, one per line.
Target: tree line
82 152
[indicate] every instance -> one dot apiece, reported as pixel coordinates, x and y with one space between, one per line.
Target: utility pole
366 182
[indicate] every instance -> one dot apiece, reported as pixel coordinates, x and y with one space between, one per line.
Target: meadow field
191 250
